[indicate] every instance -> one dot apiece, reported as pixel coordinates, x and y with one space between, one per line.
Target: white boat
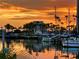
71 42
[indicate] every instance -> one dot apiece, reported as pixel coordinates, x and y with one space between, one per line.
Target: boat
71 42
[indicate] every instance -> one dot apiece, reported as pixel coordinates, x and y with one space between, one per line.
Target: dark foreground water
39 50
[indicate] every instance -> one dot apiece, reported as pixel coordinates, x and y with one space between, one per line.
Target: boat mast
55 14
68 21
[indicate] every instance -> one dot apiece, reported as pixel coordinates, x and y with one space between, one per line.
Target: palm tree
66 19
75 20
67 22
58 23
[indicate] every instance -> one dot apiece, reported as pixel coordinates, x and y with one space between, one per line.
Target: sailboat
71 40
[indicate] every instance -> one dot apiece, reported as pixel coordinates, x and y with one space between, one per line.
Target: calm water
39 50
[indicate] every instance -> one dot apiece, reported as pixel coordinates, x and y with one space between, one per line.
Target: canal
39 50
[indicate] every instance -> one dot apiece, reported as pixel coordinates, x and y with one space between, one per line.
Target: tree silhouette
8 26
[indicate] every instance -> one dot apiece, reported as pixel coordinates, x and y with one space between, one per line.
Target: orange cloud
16 12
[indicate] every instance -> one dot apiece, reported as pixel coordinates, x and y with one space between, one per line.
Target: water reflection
39 50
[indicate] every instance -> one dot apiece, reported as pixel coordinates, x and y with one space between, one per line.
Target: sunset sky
18 12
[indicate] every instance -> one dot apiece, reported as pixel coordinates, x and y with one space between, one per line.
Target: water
39 50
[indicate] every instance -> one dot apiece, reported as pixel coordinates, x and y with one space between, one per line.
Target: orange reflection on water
23 53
